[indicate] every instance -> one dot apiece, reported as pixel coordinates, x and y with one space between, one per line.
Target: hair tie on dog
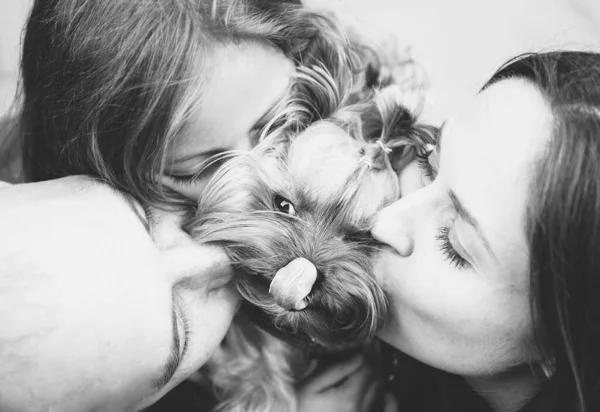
366 161
429 148
384 147
292 284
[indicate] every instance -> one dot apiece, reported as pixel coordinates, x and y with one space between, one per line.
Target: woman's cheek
386 270
214 318
226 302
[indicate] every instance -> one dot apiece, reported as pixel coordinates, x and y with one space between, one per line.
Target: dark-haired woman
492 265
490 258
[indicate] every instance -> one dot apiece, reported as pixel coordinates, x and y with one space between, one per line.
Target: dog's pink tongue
293 283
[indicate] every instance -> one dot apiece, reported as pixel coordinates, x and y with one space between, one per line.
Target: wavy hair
108 85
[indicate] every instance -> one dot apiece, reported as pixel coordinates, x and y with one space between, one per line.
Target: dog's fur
337 173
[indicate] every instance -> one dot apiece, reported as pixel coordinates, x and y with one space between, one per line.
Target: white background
459 42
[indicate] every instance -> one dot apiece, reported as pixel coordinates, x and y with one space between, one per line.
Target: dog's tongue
293 283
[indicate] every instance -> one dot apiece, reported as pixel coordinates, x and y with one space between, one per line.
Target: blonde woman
138 95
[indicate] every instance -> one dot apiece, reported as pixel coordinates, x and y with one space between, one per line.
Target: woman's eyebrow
174 357
470 219
438 143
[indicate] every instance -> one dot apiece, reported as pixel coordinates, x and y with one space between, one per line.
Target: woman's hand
351 385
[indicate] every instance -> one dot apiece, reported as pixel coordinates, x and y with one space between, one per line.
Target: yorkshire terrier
294 216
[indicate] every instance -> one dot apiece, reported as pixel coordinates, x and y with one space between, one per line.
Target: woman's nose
397 224
184 260
197 267
393 228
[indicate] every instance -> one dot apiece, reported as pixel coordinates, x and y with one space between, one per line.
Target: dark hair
564 228
107 85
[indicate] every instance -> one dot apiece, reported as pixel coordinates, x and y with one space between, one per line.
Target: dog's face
325 165
316 199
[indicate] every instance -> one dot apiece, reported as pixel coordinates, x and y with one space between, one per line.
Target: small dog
294 216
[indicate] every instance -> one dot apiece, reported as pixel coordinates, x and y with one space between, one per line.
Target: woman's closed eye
179 345
423 161
428 157
183 180
448 250
205 170
428 161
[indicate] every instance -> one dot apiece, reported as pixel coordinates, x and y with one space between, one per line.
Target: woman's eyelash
256 130
425 166
183 180
448 250
188 180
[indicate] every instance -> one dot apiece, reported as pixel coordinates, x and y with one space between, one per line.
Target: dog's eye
285 206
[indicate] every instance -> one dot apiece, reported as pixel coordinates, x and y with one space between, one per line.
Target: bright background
459 42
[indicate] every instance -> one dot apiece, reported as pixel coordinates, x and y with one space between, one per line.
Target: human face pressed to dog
104 306
244 82
457 266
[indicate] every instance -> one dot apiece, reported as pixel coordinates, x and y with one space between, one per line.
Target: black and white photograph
300 206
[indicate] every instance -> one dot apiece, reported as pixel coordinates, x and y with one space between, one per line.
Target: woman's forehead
508 123
488 158
239 89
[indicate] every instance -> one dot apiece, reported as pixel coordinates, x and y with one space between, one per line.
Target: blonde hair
108 85
330 228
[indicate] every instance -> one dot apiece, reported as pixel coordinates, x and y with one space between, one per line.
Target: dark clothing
187 397
421 388
417 387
